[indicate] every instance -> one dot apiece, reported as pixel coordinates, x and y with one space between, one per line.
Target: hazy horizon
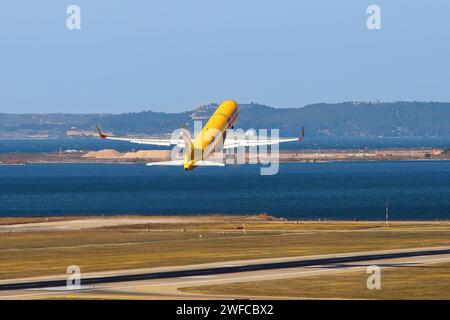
241 104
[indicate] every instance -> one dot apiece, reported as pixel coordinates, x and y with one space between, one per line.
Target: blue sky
173 55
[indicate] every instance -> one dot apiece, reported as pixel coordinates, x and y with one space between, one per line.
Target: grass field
201 240
411 282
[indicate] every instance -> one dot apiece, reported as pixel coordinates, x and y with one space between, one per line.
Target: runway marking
231 265
64 288
211 280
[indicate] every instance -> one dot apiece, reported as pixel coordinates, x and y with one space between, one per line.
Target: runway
163 283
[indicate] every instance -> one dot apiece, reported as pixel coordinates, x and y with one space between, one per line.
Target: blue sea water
342 190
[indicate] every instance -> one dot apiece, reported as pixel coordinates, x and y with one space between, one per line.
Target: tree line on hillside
347 119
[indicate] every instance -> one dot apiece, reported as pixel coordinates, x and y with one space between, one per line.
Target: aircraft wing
236 143
150 141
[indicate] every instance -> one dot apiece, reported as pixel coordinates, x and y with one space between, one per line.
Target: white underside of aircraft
228 144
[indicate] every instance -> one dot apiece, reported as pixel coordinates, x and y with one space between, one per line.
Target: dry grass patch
410 282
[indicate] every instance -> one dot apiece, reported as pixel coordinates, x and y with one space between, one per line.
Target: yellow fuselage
212 134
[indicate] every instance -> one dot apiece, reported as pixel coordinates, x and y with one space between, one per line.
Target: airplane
197 151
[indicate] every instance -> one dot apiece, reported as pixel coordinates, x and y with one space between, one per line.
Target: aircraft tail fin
187 140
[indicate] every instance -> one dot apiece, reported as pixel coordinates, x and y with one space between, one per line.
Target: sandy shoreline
143 156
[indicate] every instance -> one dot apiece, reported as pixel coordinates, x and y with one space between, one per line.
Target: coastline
285 156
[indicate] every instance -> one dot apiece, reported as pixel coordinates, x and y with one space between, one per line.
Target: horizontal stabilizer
166 163
209 163
181 162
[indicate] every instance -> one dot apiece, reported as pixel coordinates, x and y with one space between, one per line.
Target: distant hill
347 119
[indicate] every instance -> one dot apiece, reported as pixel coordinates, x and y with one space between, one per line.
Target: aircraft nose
230 103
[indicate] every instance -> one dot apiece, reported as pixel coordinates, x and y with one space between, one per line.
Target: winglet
100 133
302 134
